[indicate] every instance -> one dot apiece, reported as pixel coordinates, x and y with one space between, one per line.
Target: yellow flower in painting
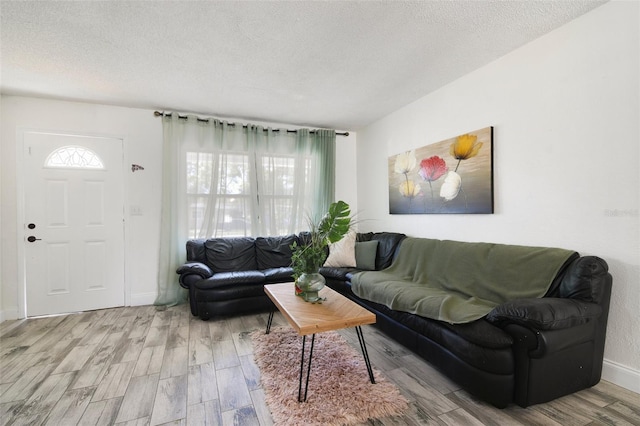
405 162
465 146
409 189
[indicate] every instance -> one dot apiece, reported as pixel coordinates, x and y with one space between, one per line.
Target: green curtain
218 174
324 144
171 253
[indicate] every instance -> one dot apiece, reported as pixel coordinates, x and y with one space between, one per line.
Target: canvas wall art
451 176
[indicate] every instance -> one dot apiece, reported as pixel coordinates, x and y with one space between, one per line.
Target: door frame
21 229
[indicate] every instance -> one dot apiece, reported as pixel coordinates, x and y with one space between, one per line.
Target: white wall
142 134
565 111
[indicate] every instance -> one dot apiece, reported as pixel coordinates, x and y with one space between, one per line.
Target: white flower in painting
405 162
451 186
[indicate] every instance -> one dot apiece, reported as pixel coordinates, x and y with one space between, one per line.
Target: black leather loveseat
524 351
226 275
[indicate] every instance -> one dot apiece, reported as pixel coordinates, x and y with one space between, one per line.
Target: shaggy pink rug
340 392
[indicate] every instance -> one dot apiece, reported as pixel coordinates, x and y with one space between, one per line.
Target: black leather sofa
524 352
226 275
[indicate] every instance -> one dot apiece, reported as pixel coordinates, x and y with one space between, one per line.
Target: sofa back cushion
584 279
274 252
458 281
388 243
196 251
366 255
231 254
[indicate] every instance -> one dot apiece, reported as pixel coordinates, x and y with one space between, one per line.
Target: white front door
74 223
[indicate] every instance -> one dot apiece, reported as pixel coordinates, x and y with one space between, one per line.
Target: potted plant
307 258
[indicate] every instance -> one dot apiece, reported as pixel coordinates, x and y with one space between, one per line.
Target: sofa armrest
196 268
547 313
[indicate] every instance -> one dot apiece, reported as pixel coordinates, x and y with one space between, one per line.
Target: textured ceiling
339 64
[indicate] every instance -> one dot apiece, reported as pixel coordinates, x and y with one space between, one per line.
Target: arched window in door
74 157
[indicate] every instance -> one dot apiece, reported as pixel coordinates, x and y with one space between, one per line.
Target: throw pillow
343 252
366 255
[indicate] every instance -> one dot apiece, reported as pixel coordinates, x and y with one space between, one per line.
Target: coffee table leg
365 354
269 321
306 386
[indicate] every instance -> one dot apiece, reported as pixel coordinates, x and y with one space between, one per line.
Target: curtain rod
206 120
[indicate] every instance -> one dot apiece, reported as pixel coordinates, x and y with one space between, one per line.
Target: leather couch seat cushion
235 293
338 285
278 275
478 343
232 279
330 272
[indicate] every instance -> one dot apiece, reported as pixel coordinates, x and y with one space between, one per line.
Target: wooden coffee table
335 313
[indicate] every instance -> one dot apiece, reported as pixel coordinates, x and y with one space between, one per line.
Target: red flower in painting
432 168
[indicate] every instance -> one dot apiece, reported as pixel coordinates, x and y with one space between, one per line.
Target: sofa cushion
342 253
231 254
196 250
336 273
278 275
478 343
554 289
366 255
229 292
232 279
274 252
578 282
457 281
387 245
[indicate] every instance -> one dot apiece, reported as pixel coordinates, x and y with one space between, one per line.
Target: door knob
31 239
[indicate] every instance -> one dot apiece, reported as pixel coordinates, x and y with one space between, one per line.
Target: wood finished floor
141 366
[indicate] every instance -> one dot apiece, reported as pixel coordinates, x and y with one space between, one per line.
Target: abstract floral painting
452 176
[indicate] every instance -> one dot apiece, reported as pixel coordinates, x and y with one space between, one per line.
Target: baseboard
8 314
141 299
621 375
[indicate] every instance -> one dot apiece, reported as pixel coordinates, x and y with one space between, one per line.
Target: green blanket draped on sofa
459 282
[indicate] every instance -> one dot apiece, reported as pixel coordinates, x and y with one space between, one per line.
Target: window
239 203
282 177
231 208
227 180
74 157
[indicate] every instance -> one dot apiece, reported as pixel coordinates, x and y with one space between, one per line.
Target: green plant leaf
309 257
336 223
